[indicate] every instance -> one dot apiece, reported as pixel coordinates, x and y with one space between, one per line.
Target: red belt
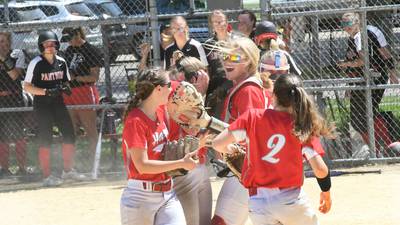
202 159
158 186
252 191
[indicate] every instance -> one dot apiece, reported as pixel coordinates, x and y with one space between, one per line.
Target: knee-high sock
44 160
68 152
381 131
20 151
4 155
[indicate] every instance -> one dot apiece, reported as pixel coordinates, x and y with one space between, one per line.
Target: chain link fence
313 31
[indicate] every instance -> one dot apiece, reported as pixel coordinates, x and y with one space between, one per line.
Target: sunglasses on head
235 58
166 84
346 24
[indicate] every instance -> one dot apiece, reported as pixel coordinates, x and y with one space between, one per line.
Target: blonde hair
353 17
248 47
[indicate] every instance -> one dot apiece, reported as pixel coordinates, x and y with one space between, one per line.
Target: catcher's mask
47 36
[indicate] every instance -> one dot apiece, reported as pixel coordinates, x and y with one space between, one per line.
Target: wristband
325 183
217 125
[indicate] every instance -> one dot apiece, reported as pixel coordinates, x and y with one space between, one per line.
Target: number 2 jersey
274 155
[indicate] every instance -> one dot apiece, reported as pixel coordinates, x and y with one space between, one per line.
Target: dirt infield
370 199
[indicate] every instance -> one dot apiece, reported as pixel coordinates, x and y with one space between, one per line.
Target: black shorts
358 104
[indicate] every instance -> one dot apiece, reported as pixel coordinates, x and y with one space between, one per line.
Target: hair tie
293 91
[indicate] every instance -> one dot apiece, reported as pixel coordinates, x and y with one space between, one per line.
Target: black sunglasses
167 84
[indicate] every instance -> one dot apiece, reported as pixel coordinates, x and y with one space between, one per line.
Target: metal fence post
367 75
264 9
154 33
107 69
6 12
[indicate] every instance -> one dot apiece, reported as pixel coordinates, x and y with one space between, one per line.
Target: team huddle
252 104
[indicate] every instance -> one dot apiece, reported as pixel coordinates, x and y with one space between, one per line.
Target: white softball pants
194 192
232 203
274 206
145 207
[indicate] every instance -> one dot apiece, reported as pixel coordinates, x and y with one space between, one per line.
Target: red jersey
142 132
248 95
274 156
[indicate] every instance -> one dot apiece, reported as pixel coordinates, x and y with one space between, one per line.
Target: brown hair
7 35
289 92
147 80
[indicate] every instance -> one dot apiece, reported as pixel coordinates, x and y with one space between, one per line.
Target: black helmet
47 36
265 30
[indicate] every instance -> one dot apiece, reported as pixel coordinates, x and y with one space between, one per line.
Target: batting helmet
265 30
47 36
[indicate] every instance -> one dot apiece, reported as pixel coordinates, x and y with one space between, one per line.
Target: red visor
264 36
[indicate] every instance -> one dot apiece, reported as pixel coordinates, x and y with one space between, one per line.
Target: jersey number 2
275 143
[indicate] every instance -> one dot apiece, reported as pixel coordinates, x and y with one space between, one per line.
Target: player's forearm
28 87
157 166
15 73
318 166
221 142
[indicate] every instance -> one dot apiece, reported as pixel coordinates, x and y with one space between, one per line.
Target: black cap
68 33
265 27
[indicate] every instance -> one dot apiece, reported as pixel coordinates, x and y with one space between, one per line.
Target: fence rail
313 34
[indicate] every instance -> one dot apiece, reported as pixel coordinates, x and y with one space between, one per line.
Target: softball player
44 79
193 189
149 197
84 61
241 63
273 168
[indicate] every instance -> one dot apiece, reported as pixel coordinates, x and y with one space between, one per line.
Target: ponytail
307 121
147 80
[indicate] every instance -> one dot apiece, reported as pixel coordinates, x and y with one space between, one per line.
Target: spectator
84 61
266 32
219 85
45 79
247 23
166 39
12 70
381 62
182 42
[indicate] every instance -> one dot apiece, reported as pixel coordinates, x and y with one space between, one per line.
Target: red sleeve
134 134
240 123
312 148
248 97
